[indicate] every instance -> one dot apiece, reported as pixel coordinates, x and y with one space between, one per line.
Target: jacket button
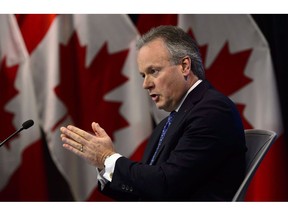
123 187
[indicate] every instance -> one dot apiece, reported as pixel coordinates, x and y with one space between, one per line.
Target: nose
147 83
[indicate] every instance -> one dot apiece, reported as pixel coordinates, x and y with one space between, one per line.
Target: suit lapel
193 97
153 141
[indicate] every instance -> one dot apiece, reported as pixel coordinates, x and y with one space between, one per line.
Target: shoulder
206 95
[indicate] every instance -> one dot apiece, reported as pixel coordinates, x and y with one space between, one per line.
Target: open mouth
154 97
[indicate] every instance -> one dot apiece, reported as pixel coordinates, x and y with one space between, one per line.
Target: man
197 153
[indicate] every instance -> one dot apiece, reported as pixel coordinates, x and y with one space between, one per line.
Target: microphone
27 124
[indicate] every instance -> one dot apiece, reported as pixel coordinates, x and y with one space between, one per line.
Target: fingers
74 138
72 141
98 130
77 134
76 150
74 132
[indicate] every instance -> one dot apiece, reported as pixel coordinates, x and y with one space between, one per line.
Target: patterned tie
164 130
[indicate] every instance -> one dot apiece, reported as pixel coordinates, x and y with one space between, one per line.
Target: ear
186 66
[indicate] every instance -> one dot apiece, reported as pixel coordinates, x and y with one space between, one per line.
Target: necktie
164 130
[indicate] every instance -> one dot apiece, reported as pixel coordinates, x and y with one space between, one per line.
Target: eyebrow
153 67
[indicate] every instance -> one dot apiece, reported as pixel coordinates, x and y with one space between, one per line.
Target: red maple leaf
226 73
7 92
83 89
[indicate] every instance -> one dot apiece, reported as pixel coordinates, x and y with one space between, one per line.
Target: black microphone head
27 124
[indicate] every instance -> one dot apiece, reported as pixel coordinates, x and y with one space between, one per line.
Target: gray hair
179 45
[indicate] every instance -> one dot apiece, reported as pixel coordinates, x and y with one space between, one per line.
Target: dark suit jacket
201 157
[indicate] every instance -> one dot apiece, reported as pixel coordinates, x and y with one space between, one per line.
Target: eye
142 75
154 71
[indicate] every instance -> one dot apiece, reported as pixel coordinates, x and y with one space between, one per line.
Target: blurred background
75 69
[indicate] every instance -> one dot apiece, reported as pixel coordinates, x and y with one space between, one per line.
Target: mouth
154 97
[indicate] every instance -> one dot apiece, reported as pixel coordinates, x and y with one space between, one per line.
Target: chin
159 107
162 108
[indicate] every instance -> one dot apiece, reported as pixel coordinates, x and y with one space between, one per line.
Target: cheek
168 90
173 84
174 90
170 84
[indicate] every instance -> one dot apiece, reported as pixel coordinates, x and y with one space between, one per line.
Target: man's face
164 80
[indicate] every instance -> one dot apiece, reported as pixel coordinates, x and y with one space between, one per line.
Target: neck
191 80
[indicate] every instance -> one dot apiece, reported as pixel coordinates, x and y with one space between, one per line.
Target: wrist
105 156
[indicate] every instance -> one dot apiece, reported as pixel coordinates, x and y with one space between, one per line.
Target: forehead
153 52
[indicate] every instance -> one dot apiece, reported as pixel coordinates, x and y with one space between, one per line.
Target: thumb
99 132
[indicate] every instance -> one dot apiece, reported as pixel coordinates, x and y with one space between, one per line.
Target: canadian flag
75 69
21 158
237 61
84 70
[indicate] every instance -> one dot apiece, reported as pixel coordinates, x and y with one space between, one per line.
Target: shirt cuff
109 164
101 179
